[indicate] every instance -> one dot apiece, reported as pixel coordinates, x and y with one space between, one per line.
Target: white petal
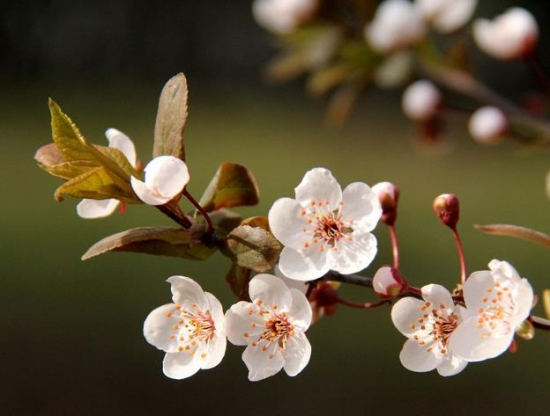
167 175
259 365
272 292
147 195
405 312
215 351
180 365
361 205
504 269
120 141
476 287
158 327
299 266
524 302
300 313
286 222
216 312
297 354
471 343
186 291
451 366
438 296
319 185
415 357
353 256
242 327
96 208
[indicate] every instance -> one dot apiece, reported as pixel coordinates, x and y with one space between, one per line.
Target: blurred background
71 331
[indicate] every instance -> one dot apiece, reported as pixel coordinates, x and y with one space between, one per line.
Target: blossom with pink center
497 302
190 330
512 35
100 208
165 178
272 327
430 325
325 228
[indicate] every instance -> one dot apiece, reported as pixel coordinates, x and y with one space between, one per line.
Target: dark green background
71 331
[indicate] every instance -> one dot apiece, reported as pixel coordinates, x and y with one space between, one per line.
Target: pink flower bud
388 195
512 35
388 282
487 125
421 101
447 208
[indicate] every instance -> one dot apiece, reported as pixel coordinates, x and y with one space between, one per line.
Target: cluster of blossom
323 229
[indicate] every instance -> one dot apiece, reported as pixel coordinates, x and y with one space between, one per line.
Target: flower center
435 327
194 327
496 315
277 329
325 226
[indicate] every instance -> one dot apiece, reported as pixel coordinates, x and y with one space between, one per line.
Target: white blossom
511 35
497 302
190 330
282 16
421 100
487 124
272 327
165 178
446 15
324 228
100 208
430 325
396 25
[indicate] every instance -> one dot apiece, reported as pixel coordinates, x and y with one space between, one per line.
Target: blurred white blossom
421 100
282 16
446 16
487 124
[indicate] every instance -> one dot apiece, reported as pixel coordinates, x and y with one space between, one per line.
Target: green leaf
224 221
238 278
251 245
171 118
166 241
233 185
517 232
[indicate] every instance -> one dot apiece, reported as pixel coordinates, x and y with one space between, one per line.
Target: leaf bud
388 195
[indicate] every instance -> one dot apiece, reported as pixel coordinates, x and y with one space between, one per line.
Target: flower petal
259 363
300 313
303 265
185 291
438 296
241 326
362 205
405 312
96 208
317 185
167 175
472 343
180 365
158 328
120 141
451 366
271 291
415 357
353 256
285 221
214 351
297 354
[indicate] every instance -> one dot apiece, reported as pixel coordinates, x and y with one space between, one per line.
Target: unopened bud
512 35
421 101
487 125
388 195
447 208
388 283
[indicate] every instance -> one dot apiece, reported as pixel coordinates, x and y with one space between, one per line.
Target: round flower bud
388 282
396 25
283 16
487 125
447 208
511 35
388 195
421 101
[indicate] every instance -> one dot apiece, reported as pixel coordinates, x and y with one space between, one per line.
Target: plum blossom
511 35
487 124
190 330
396 25
100 208
430 325
497 302
421 100
446 15
324 228
165 177
388 282
272 327
282 16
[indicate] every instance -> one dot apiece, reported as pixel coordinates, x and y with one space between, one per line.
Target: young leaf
166 241
251 245
171 118
517 232
238 278
232 185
